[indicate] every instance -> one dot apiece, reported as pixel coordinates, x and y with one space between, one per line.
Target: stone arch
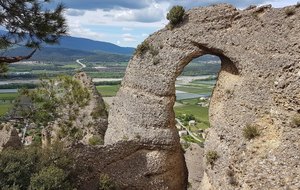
146 98
254 45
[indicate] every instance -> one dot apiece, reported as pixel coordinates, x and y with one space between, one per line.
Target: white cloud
280 3
127 29
153 13
74 12
128 38
75 29
111 24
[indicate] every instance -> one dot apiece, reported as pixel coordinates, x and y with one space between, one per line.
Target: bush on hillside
50 178
35 168
142 48
105 183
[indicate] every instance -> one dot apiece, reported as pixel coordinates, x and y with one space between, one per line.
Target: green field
108 90
196 89
7 96
71 66
190 107
4 107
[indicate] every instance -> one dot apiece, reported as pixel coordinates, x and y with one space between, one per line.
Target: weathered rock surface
258 85
9 137
195 164
131 165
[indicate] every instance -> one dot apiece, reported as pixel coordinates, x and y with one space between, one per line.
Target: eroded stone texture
130 165
9 137
258 85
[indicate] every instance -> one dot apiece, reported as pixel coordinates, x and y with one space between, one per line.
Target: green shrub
211 157
142 48
45 103
16 167
105 183
296 120
50 178
36 168
250 132
98 112
175 15
95 140
290 11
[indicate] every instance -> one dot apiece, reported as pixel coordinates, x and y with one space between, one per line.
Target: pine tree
29 23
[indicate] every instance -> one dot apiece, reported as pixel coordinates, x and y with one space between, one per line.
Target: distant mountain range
72 48
83 44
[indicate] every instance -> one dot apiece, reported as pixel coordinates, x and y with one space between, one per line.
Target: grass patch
211 157
108 90
190 139
290 11
250 132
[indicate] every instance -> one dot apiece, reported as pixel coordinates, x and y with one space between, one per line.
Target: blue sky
128 22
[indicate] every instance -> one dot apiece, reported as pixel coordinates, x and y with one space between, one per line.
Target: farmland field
190 107
7 96
197 80
108 90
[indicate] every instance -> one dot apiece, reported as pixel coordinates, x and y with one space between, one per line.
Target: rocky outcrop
83 123
9 137
258 85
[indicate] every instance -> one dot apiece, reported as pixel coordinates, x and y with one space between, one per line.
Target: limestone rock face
93 119
9 137
259 84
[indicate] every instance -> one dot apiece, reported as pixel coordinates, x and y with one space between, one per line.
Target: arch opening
195 87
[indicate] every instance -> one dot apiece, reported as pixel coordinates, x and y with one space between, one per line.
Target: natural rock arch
258 85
